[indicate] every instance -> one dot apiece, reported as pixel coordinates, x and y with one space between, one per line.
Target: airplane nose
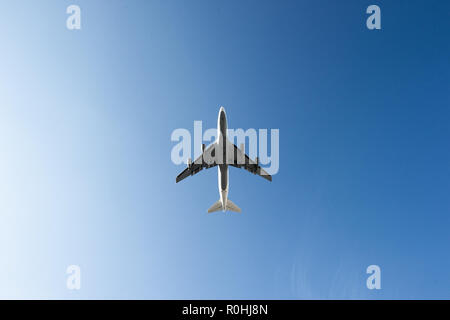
222 109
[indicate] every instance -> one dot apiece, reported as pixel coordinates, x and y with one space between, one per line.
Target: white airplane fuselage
222 168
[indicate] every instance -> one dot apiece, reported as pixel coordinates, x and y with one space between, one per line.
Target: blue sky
86 177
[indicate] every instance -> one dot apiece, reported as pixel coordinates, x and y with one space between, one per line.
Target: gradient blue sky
85 170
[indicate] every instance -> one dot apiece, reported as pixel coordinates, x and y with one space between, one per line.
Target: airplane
223 153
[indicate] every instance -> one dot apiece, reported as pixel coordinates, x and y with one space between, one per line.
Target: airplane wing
205 160
241 160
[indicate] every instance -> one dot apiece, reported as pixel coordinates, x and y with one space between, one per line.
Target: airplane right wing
205 160
240 160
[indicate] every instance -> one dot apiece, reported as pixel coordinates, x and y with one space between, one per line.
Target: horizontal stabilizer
215 207
232 207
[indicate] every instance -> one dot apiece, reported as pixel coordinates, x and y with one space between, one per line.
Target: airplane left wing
205 160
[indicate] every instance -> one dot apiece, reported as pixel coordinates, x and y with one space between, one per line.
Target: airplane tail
217 206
